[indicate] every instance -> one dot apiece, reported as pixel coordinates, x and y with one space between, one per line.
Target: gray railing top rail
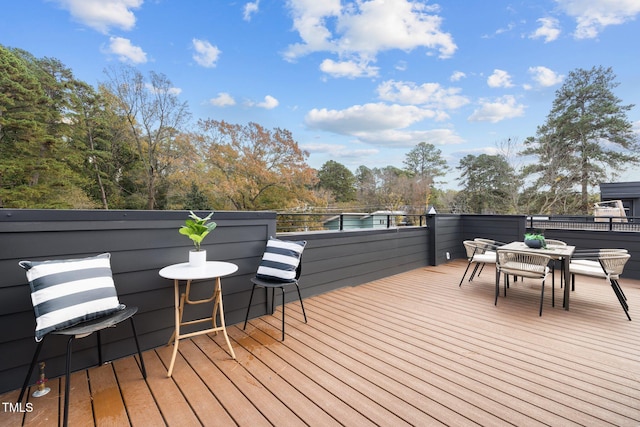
584 222
316 221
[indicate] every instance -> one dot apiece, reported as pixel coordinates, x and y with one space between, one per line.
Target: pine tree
586 139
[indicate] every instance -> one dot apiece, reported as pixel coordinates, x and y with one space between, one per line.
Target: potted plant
196 229
535 240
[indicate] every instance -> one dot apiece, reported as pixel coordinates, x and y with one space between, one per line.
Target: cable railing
584 222
305 222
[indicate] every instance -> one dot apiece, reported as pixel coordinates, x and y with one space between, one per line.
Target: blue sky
360 82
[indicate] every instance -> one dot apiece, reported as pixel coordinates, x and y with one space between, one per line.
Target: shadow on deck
409 349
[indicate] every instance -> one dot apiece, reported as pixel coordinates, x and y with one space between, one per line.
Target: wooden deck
410 349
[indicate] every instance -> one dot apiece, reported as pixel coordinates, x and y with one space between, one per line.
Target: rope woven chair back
524 264
554 242
614 264
472 248
488 243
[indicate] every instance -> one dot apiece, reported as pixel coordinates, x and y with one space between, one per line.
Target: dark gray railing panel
141 243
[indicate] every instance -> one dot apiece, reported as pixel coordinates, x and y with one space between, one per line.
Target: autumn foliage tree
254 168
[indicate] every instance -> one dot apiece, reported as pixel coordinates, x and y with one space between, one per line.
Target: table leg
567 281
497 285
181 313
178 318
222 323
217 301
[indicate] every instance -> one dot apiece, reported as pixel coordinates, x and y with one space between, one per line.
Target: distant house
627 192
353 221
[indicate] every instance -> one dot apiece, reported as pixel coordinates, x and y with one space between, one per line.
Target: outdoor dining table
556 252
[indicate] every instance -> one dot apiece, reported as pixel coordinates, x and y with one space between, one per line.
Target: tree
366 186
425 162
22 105
39 165
196 199
155 116
254 168
486 181
394 188
586 139
336 178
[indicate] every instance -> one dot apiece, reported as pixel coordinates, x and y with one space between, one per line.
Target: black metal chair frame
483 246
273 284
83 330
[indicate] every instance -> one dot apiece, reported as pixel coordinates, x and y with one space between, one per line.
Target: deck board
409 349
141 406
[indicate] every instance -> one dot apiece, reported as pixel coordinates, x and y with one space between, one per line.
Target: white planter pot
197 258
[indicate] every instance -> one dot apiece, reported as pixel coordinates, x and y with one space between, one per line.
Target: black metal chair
73 278
273 284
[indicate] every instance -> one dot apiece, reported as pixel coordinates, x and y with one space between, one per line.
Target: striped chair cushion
280 260
67 292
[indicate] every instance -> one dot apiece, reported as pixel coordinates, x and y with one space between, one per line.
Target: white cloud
457 76
250 9
499 78
103 14
339 151
172 90
367 117
125 51
401 66
545 77
499 31
380 124
269 103
593 16
348 69
549 30
430 95
392 24
309 19
206 54
409 138
222 100
502 108
357 32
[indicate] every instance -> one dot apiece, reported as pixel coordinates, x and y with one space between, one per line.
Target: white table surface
211 269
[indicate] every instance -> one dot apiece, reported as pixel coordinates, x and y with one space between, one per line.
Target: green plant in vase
535 240
196 228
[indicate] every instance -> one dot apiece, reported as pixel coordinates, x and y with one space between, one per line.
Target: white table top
210 270
554 251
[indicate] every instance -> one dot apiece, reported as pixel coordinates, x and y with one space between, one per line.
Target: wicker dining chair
479 254
607 264
522 264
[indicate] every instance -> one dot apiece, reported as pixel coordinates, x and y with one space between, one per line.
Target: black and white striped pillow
280 260
67 292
